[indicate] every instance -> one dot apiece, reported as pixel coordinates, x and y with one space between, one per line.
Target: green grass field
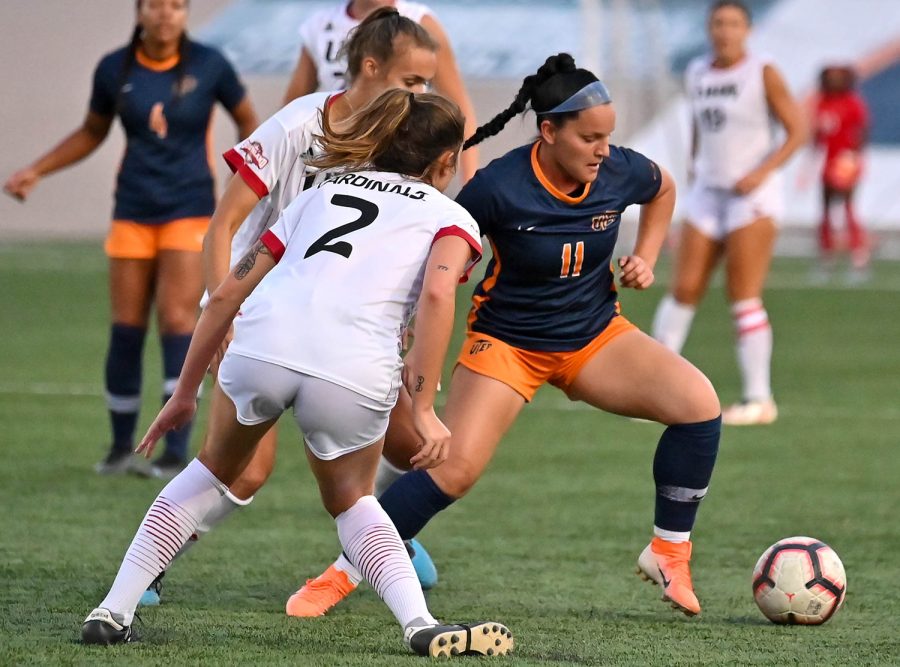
546 542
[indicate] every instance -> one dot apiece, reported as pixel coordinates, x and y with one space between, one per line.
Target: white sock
349 569
387 474
169 523
221 511
371 541
671 535
754 348
672 322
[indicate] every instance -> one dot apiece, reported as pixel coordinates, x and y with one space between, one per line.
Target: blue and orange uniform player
547 312
163 87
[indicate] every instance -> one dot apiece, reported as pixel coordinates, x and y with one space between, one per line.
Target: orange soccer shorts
524 370
132 240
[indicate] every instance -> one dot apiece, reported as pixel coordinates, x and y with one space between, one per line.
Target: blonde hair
399 131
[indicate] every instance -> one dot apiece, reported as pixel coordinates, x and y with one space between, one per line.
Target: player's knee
687 294
180 319
251 480
700 401
455 480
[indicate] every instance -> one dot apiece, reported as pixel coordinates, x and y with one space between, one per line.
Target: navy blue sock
174 350
682 468
123 382
412 500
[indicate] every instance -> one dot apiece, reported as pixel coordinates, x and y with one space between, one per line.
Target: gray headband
592 95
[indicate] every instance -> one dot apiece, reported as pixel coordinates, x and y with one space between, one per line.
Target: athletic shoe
117 462
424 566
668 565
750 413
441 641
105 628
151 596
167 466
320 594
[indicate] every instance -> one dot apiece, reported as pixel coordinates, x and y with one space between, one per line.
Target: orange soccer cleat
320 594
668 565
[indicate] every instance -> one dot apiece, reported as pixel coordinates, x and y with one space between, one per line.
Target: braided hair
556 81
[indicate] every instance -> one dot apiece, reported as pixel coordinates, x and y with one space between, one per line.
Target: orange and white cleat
319 595
667 564
750 413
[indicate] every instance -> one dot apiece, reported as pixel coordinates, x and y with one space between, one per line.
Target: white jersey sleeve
464 226
260 158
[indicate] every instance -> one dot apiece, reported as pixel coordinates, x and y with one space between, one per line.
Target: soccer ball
799 580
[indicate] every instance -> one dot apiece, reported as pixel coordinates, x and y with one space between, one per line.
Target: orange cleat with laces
320 594
668 565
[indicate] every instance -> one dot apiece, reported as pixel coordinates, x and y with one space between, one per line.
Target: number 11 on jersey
567 260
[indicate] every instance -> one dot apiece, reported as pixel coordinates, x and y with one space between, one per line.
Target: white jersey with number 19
351 256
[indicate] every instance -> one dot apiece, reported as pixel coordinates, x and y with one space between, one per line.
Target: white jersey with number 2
351 256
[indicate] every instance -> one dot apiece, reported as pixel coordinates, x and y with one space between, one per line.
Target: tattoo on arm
420 380
441 267
245 265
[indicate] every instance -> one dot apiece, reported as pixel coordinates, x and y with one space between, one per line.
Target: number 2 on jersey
567 260
367 214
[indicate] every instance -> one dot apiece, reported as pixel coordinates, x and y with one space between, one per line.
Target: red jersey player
841 122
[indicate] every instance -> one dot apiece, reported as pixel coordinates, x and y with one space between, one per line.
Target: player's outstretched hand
176 413
635 273
434 441
20 184
750 182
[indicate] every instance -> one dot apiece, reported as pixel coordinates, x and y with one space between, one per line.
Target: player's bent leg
170 522
478 412
748 256
664 387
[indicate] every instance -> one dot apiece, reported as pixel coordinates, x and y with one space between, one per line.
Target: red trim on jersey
238 166
474 244
334 98
273 243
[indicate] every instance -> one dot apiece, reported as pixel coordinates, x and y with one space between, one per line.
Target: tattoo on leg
243 267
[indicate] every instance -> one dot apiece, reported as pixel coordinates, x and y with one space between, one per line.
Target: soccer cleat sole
472 639
665 598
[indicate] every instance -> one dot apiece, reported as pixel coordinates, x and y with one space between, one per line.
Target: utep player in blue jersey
547 311
163 88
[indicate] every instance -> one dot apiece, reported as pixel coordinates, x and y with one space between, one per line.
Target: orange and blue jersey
549 286
165 174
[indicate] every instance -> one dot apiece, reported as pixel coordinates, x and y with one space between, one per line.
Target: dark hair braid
128 65
533 86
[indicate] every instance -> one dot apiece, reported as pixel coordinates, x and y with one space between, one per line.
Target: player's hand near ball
635 272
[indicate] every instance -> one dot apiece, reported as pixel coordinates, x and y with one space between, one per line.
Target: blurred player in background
270 169
354 255
163 87
841 125
735 199
547 311
323 63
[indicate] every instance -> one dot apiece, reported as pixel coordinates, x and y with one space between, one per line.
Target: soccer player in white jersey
322 64
735 199
358 254
386 51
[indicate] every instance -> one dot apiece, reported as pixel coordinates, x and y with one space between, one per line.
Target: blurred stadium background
640 47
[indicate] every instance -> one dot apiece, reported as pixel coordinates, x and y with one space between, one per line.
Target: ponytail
554 82
399 132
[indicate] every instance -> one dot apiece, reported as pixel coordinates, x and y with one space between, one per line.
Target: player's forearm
233 208
656 216
434 324
70 150
208 335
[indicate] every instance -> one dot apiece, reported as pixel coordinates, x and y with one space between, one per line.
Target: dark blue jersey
549 286
165 173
